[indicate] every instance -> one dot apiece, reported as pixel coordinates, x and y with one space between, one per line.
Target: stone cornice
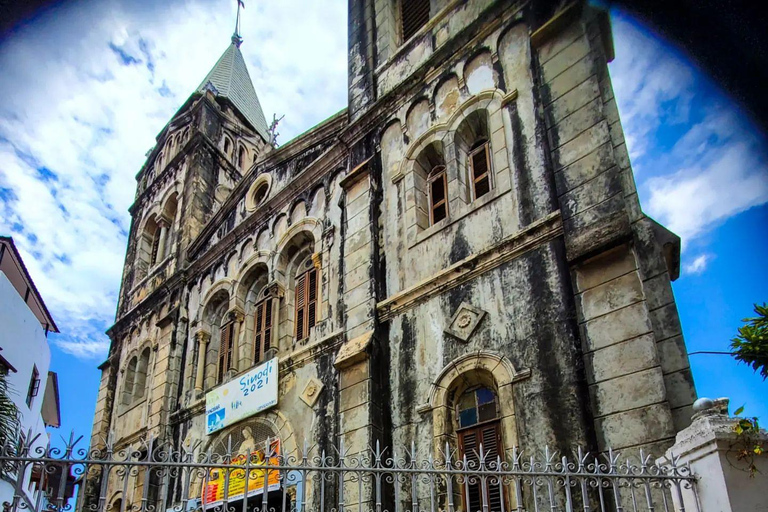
532 236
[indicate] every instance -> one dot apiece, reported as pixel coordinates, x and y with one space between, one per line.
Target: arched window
142 368
226 343
130 377
241 154
478 425
262 328
227 146
473 152
186 133
160 161
430 186
438 192
305 296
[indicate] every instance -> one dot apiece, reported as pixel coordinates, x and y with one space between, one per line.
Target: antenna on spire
236 38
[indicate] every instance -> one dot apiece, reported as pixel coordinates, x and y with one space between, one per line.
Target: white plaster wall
24 346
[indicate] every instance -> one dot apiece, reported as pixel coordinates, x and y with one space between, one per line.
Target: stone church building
458 256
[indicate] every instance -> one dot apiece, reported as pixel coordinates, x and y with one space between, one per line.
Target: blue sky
88 85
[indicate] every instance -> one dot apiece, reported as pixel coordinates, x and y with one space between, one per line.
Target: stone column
203 338
709 445
163 224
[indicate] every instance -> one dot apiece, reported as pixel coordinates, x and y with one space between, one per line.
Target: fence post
707 448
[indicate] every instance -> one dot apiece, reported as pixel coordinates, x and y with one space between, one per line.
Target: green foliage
751 345
748 444
9 415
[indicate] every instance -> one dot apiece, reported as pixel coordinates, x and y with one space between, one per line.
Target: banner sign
242 397
216 481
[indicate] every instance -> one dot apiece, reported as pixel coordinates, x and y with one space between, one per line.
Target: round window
260 194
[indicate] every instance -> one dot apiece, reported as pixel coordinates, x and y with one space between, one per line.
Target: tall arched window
226 343
430 186
473 152
241 154
438 194
227 147
305 296
130 376
142 368
477 414
262 328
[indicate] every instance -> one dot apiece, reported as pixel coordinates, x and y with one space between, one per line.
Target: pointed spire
237 39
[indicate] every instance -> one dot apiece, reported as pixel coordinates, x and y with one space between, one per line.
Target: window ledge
125 408
452 219
153 270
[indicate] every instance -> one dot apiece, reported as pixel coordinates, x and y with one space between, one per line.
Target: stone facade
549 288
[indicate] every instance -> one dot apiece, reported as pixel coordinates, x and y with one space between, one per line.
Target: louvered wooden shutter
479 160
438 192
301 305
225 350
469 442
306 303
257 328
155 247
311 299
414 14
263 329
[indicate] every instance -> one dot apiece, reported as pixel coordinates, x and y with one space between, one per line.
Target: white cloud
651 83
86 89
700 161
727 181
698 265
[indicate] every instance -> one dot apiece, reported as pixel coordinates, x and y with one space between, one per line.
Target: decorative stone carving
311 392
464 322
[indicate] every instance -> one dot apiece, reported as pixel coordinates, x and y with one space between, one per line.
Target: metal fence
155 478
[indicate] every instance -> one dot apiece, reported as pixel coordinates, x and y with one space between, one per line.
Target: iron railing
156 478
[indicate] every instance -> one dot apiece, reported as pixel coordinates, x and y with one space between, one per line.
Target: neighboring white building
25 356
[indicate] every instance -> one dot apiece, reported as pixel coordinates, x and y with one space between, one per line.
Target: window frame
224 363
308 305
405 36
264 333
481 147
435 175
34 386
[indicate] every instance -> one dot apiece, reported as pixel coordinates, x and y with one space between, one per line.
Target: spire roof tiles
230 80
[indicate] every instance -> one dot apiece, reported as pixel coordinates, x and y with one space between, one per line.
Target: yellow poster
214 486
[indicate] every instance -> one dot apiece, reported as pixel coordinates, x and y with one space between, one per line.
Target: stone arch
446 96
417 119
392 147
222 285
257 263
476 368
273 420
479 72
316 201
298 211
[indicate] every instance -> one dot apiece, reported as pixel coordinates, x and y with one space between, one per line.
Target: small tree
751 345
9 416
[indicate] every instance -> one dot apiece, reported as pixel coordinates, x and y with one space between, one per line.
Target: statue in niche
249 444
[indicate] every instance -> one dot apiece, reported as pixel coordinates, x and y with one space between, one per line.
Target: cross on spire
236 38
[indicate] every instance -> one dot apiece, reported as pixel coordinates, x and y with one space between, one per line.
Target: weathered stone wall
552 289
